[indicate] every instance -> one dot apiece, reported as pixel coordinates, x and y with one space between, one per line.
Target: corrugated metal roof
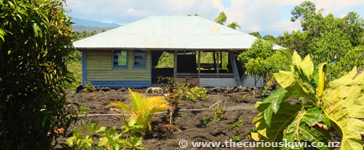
182 32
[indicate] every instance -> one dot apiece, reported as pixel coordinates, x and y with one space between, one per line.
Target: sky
264 16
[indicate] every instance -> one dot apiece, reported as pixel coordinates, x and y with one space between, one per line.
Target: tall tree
36 43
260 61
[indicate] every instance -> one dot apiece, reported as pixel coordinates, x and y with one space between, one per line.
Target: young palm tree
142 108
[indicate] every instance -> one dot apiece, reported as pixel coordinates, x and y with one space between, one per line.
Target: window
140 60
120 59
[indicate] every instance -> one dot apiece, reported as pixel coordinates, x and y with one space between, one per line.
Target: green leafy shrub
335 106
236 138
197 94
253 129
35 43
182 91
167 84
175 92
236 125
186 91
89 87
219 112
205 122
100 138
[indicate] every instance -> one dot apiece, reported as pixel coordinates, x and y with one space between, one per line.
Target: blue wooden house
126 56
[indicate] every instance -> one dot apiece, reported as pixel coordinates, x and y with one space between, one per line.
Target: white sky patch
332 6
106 21
79 6
134 12
252 15
286 25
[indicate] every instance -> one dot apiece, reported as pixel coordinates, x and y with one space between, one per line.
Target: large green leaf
346 79
284 78
304 68
297 82
280 121
271 104
307 67
302 130
343 103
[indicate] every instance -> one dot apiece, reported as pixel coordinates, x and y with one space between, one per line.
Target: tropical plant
324 106
35 44
142 109
100 138
236 125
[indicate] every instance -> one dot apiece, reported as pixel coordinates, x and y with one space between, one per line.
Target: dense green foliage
166 60
327 38
85 34
324 107
35 46
259 49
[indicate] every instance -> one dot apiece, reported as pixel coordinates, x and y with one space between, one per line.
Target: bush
35 43
183 91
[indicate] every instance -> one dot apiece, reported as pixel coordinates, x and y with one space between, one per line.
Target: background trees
327 38
35 46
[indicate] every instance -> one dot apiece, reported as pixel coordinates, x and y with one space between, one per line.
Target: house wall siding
99 68
217 82
249 82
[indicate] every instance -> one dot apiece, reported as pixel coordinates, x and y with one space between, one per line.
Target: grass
75 67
